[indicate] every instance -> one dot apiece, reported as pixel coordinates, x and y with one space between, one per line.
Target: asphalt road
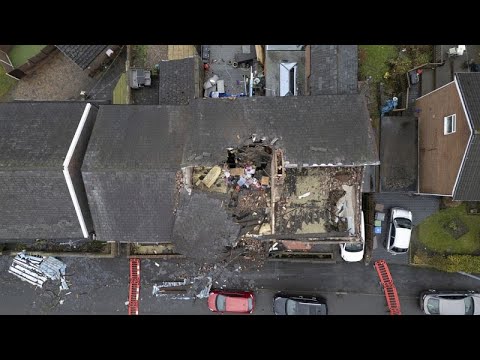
100 286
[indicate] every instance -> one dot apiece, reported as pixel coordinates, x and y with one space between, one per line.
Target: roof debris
36 269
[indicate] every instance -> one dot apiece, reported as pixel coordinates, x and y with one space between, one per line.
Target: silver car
450 302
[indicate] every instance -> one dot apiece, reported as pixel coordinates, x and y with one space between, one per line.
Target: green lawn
120 93
6 82
437 239
19 54
374 60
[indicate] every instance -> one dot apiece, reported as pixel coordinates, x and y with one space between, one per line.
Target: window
288 79
449 124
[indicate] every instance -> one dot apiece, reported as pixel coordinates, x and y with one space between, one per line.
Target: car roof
237 304
304 308
402 238
402 213
451 306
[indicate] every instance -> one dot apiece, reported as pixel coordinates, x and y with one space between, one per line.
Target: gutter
66 173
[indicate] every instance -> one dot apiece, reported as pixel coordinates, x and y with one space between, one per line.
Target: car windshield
469 306
221 302
433 306
403 223
399 250
290 307
354 247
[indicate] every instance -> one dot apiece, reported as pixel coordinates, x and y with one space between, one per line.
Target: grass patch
120 93
449 263
19 54
434 235
6 82
139 56
374 60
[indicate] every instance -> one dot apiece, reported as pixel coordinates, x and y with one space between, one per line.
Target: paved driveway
398 154
420 206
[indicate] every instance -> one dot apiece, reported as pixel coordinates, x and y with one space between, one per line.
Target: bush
449 263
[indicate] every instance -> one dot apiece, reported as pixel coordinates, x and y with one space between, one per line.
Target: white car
353 252
400 231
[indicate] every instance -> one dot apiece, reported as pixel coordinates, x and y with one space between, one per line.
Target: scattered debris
127 302
157 264
205 291
212 176
304 195
61 301
37 269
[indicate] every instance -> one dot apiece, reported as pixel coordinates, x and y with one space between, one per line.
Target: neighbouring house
21 60
284 70
42 145
331 69
90 57
448 139
180 81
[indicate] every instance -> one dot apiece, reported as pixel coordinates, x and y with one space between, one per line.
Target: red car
231 301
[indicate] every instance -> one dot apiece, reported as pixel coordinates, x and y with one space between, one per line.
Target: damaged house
204 176
246 165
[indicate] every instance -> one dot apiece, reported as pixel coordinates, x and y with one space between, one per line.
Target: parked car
231 301
400 231
450 302
352 252
298 305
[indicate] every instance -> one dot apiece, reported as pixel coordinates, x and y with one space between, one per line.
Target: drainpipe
251 82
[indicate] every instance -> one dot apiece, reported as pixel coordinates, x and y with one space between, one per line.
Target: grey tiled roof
202 226
36 204
179 81
328 129
334 69
468 188
34 140
82 55
469 84
131 206
137 137
37 134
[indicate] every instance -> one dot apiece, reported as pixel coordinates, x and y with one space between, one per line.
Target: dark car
435 302
298 305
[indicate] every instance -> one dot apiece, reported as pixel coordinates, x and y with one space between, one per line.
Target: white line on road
469 275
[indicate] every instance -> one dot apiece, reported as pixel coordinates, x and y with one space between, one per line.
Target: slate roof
202 227
333 69
179 81
34 140
469 84
82 55
131 137
131 205
468 188
129 171
328 129
37 134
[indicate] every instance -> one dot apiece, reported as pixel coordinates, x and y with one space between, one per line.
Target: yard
120 93
19 54
438 231
449 240
388 64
